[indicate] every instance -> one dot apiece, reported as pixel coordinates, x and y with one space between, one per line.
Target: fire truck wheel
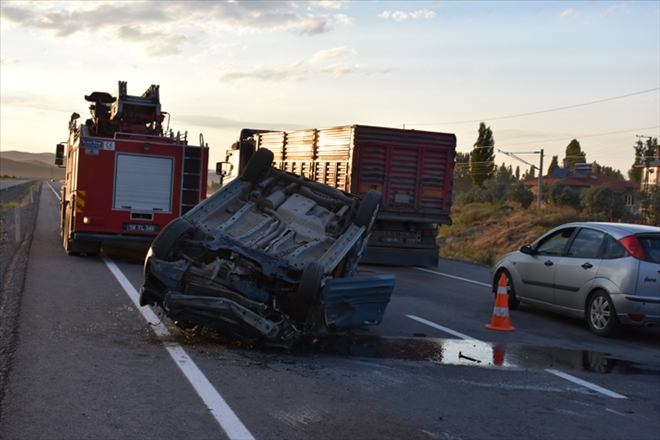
300 301
165 241
368 210
68 243
261 159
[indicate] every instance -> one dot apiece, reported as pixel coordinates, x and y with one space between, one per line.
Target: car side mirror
526 249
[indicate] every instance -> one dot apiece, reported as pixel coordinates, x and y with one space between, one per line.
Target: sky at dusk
538 73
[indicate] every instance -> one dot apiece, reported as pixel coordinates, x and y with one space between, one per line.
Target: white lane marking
568 377
586 384
56 194
439 327
615 412
452 276
221 411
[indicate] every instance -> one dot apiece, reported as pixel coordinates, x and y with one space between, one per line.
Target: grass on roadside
481 233
19 194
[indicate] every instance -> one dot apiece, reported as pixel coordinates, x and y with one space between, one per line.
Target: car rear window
651 246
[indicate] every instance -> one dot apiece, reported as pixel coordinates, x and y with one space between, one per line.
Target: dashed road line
560 374
586 384
221 411
452 276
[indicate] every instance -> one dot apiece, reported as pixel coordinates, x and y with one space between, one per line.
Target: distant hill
30 165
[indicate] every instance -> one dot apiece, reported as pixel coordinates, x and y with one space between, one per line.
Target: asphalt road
87 364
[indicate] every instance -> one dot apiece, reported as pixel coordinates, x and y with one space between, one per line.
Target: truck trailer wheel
261 159
368 210
301 301
164 244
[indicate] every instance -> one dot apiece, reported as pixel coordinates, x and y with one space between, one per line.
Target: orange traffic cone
500 319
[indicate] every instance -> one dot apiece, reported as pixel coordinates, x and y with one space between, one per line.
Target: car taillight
635 317
631 243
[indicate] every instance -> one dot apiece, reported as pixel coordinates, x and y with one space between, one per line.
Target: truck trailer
127 176
412 169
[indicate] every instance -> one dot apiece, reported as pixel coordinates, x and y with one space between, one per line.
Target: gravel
13 265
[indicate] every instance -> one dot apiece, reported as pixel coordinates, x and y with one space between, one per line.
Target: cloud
160 44
401 16
567 12
169 23
337 52
294 72
343 20
313 25
10 62
222 122
337 70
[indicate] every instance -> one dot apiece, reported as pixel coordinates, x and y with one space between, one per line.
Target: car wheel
261 159
301 301
368 210
165 241
511 291
601 315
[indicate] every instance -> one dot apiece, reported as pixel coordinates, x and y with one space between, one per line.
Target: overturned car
268 259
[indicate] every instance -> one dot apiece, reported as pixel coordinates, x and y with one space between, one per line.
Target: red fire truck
127 175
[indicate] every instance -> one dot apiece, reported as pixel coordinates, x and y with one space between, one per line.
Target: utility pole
645 163
540 168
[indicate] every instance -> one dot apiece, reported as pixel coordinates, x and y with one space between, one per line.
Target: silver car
606 273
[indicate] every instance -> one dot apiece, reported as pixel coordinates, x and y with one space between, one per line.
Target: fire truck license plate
140 227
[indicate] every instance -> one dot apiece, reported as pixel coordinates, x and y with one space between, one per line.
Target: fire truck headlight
87 220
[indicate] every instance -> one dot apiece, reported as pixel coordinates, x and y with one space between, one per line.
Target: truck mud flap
357 301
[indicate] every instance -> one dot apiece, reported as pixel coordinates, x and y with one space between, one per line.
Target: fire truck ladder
191 191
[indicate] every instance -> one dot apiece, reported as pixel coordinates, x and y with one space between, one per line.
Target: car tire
368 210
513 301
261 159
301 301
165 241
601 315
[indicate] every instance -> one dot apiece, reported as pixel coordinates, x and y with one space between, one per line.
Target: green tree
554 164
560 194
504 174
462 178
602 203
651 205
609 171
518 193
574 154
529 174
482 158
643 152
517 174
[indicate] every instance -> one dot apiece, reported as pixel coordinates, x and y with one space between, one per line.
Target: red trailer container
126 176
413 169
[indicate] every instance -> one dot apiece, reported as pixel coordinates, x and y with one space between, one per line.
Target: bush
519 194
651 205
601 203
559 194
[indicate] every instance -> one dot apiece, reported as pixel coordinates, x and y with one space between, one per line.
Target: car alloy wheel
602 315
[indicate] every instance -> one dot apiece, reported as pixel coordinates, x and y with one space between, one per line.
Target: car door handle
587 266
549 263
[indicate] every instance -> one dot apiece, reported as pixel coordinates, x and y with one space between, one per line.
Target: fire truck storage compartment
153 175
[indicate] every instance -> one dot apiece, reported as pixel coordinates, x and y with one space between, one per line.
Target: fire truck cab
126 176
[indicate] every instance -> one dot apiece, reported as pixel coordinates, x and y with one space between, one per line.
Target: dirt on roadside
13 265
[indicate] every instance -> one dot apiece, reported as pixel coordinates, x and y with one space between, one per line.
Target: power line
542 111
580 137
